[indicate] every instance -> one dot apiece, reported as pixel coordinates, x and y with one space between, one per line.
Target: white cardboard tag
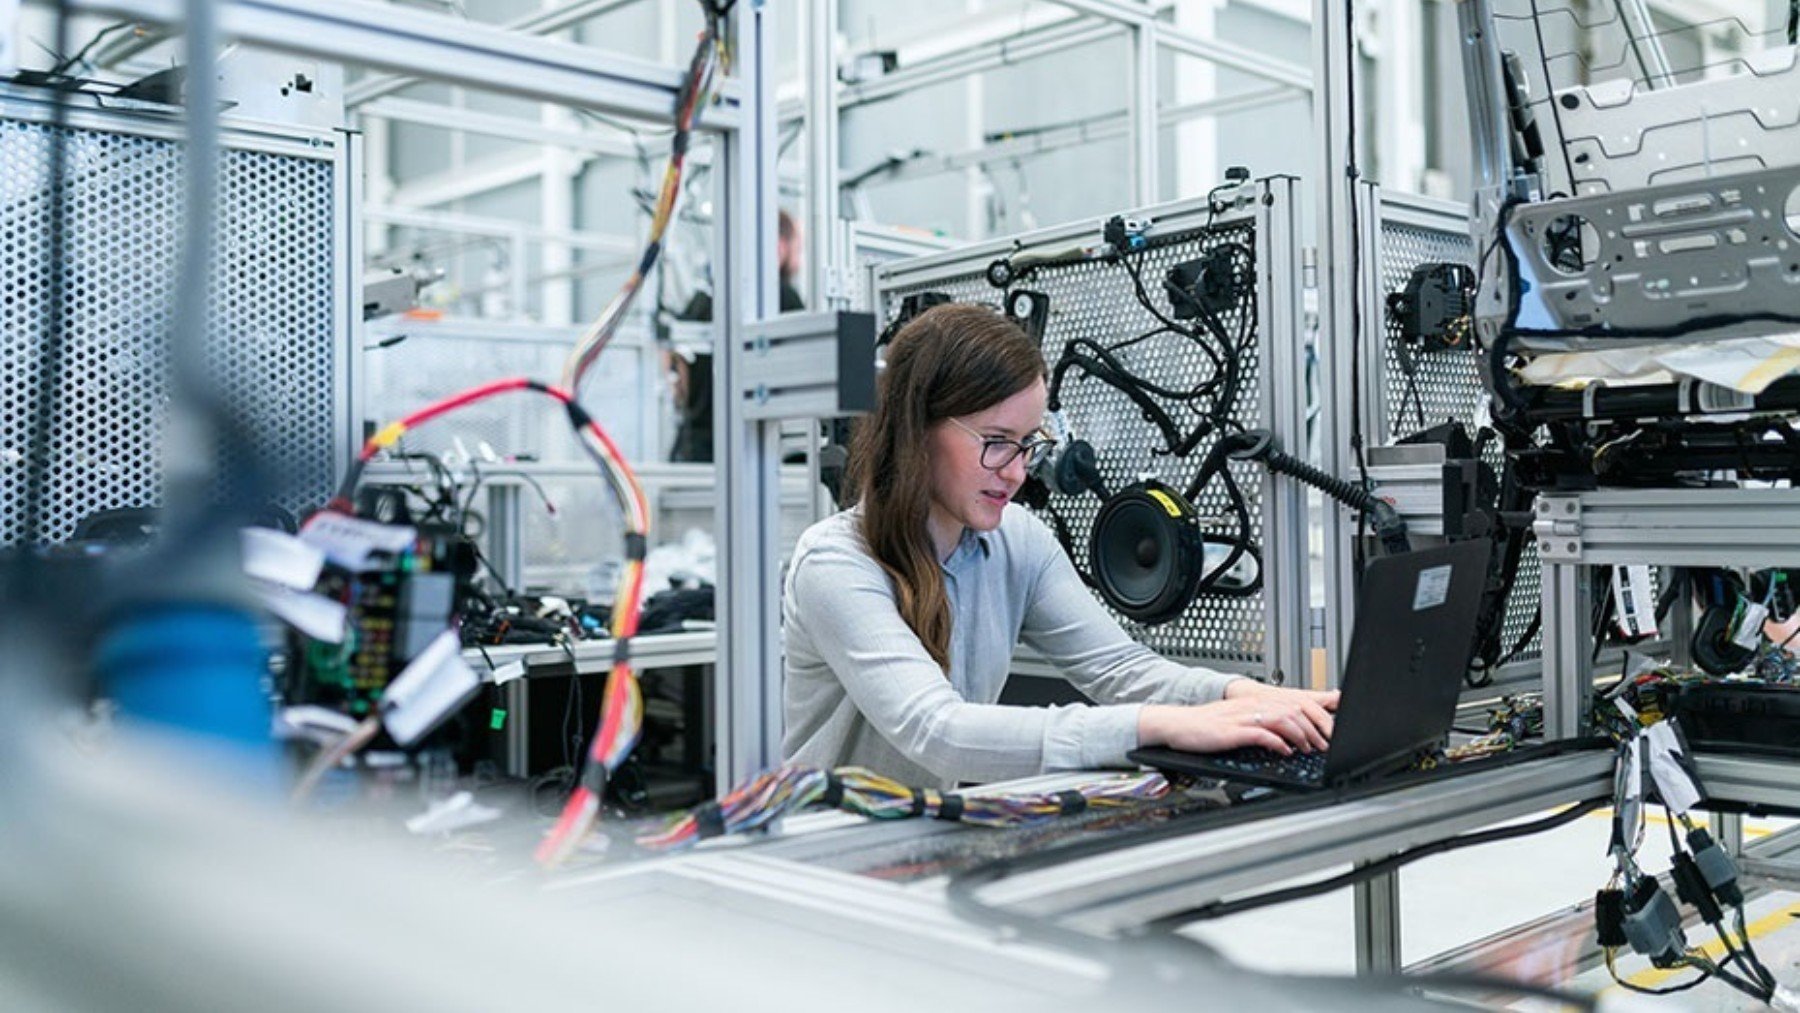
1675 784
1748 631
350 541
431 688
312 614
281 558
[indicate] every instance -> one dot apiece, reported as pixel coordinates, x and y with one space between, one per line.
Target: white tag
433 686
312 614
350 541
1675 784
9 38
311 722
1748 632
1433 589
281 558
1637 606
507 673
1483 416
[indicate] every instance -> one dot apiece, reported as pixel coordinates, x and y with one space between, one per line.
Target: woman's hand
1252 714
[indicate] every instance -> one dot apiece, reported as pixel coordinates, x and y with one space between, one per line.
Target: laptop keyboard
1308 767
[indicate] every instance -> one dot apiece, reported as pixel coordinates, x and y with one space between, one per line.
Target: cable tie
950 807
918 801
1071 802
709 820
834 790
593 778
636 546
621 653
577 414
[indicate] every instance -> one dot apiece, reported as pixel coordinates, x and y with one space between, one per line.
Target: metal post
520 291
1144 119
505 533
1402 69
1338 254
824 259
748 678
1378 924
1289 645
1568 672
1728 830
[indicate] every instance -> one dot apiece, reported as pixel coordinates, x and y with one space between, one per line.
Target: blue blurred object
190 668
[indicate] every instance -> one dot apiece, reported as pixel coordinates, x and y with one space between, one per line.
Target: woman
902 613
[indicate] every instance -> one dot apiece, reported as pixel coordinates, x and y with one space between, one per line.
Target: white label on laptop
1433 589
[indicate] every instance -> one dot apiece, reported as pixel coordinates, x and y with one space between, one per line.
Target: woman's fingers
1266 738
1299 730
1319 716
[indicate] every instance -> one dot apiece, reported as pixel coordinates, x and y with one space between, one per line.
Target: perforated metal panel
1417 389
1095 300
275 298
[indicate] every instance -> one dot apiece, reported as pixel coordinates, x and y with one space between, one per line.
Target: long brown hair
951 360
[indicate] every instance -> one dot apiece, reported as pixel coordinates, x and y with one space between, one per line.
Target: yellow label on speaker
1163 498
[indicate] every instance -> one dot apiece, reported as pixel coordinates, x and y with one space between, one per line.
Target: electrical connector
1124 235
1609 918
1716 867
1691 887
1653 924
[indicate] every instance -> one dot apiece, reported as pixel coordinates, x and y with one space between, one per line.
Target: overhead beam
443 117
977 59
1237 58
1054 38
1116 125
477 225
543 22
1125 12
444 49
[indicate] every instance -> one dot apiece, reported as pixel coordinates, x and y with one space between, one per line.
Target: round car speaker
1146 552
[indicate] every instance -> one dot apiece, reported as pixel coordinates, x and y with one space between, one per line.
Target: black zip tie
636 546
622 651
950 807
834 790
918 801
593 778
1071 802
709 820
577 414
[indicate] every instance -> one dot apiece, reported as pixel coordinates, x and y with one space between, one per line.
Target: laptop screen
1414 636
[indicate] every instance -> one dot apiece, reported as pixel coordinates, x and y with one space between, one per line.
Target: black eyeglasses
998 452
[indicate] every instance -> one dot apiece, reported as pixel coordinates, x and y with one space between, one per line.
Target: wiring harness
622 707
776 793
1634 910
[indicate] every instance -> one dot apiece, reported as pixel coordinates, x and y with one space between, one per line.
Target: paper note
281 558
351 541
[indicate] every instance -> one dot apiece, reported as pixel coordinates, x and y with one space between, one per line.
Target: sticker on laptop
1433 589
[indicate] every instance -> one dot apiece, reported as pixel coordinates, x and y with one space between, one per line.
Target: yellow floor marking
1750 831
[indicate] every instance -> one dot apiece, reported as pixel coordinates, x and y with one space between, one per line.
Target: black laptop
1415 634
